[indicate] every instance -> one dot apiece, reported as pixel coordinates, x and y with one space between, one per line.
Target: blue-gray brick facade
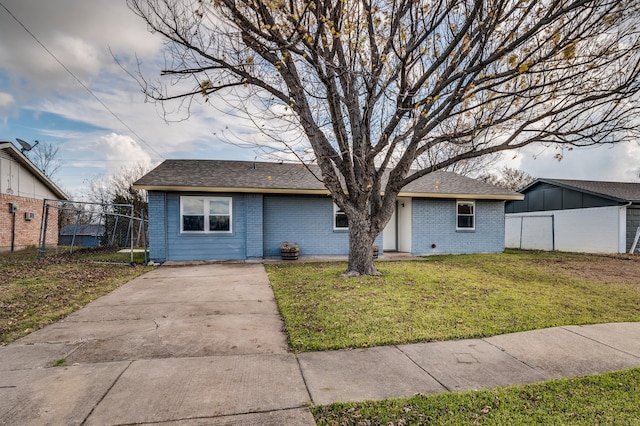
262 222
434 223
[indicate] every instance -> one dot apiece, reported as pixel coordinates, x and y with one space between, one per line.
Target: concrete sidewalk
204 344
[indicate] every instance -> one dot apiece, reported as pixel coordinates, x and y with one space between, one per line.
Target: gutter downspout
13 229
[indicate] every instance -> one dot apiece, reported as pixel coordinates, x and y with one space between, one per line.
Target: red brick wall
27 231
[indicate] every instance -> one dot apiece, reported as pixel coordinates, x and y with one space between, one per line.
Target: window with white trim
466 215
340 220
205 214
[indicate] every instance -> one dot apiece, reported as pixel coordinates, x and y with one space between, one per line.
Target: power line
84 86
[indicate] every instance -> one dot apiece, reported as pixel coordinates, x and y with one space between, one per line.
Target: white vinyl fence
588 230
530 232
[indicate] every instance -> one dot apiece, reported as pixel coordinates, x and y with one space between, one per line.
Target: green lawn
607 399
465 296
452 297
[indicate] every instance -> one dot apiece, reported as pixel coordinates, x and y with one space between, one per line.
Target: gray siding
434 222
207 246
157 234
168 241
547 197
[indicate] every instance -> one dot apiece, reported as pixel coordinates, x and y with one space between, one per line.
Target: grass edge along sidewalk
610 398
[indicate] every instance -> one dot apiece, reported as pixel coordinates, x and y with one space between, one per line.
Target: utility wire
84 86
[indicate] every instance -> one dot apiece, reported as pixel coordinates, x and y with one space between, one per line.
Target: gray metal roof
264 177
83 229
619 191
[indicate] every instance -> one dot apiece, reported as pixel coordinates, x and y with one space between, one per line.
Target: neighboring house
23 187
81 235
224 210
574 215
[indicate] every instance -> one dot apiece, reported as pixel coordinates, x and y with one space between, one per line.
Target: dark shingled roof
248 176
620 191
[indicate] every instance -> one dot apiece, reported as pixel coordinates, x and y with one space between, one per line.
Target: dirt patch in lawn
623 269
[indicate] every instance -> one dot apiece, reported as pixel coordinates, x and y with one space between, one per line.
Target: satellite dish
26 146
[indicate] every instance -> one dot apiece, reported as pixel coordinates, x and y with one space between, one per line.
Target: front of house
234 210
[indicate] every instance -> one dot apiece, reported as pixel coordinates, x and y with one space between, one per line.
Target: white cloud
121 148
6 100
619 162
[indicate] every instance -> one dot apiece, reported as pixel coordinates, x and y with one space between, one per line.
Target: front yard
436 298
36 292
452 297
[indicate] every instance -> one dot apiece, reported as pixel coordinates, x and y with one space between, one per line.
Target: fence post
75 231
44 231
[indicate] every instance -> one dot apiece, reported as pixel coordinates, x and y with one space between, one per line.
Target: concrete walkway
204 344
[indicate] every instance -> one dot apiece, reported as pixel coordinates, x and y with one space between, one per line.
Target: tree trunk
360 247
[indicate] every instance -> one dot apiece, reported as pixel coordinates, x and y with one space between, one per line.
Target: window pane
219 223
218 207
193 223
192 206
465 208
341 220
465 221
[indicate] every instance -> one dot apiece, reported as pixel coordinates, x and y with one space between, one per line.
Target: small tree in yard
114 191
373 86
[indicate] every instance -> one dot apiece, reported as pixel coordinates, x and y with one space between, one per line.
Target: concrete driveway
192 345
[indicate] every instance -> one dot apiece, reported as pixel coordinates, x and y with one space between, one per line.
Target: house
224 210
23 187
81 235
574 215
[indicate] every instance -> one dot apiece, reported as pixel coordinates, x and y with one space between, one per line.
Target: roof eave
504 197
575 188
179 188
22 159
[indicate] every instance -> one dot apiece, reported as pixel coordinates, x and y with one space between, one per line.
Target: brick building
229 210
23 187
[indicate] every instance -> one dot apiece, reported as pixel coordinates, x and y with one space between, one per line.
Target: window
466 214
340 220
205 214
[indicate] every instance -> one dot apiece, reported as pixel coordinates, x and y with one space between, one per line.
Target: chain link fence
93 226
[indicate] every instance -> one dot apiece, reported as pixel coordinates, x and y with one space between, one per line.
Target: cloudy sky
103 123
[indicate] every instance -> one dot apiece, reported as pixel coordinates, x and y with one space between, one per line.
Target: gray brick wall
306 220
434 222
254 226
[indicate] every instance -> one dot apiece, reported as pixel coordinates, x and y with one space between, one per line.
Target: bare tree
116 189
471 167
374 85
43 156
508 178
